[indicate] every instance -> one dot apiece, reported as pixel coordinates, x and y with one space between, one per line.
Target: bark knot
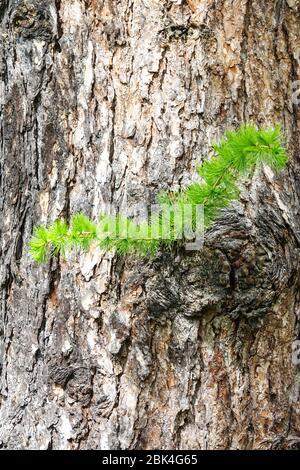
32 19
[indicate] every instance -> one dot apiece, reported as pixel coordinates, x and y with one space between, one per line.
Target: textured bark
103 101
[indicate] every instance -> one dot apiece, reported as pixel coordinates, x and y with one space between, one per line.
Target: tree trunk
113 101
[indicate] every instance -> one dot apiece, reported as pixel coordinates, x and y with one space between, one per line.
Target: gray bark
105 99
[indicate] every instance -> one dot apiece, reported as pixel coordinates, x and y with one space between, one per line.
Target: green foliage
39 244
123 235
57 236
235 158
82 232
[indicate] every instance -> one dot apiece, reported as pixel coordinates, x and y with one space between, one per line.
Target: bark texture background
102 101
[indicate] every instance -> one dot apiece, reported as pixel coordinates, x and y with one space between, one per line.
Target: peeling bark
112 101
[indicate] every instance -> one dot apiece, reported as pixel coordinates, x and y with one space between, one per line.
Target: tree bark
107 101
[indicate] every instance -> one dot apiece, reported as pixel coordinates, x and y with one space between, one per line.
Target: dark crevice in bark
244 59
59 26
112 143
3 7
36 106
